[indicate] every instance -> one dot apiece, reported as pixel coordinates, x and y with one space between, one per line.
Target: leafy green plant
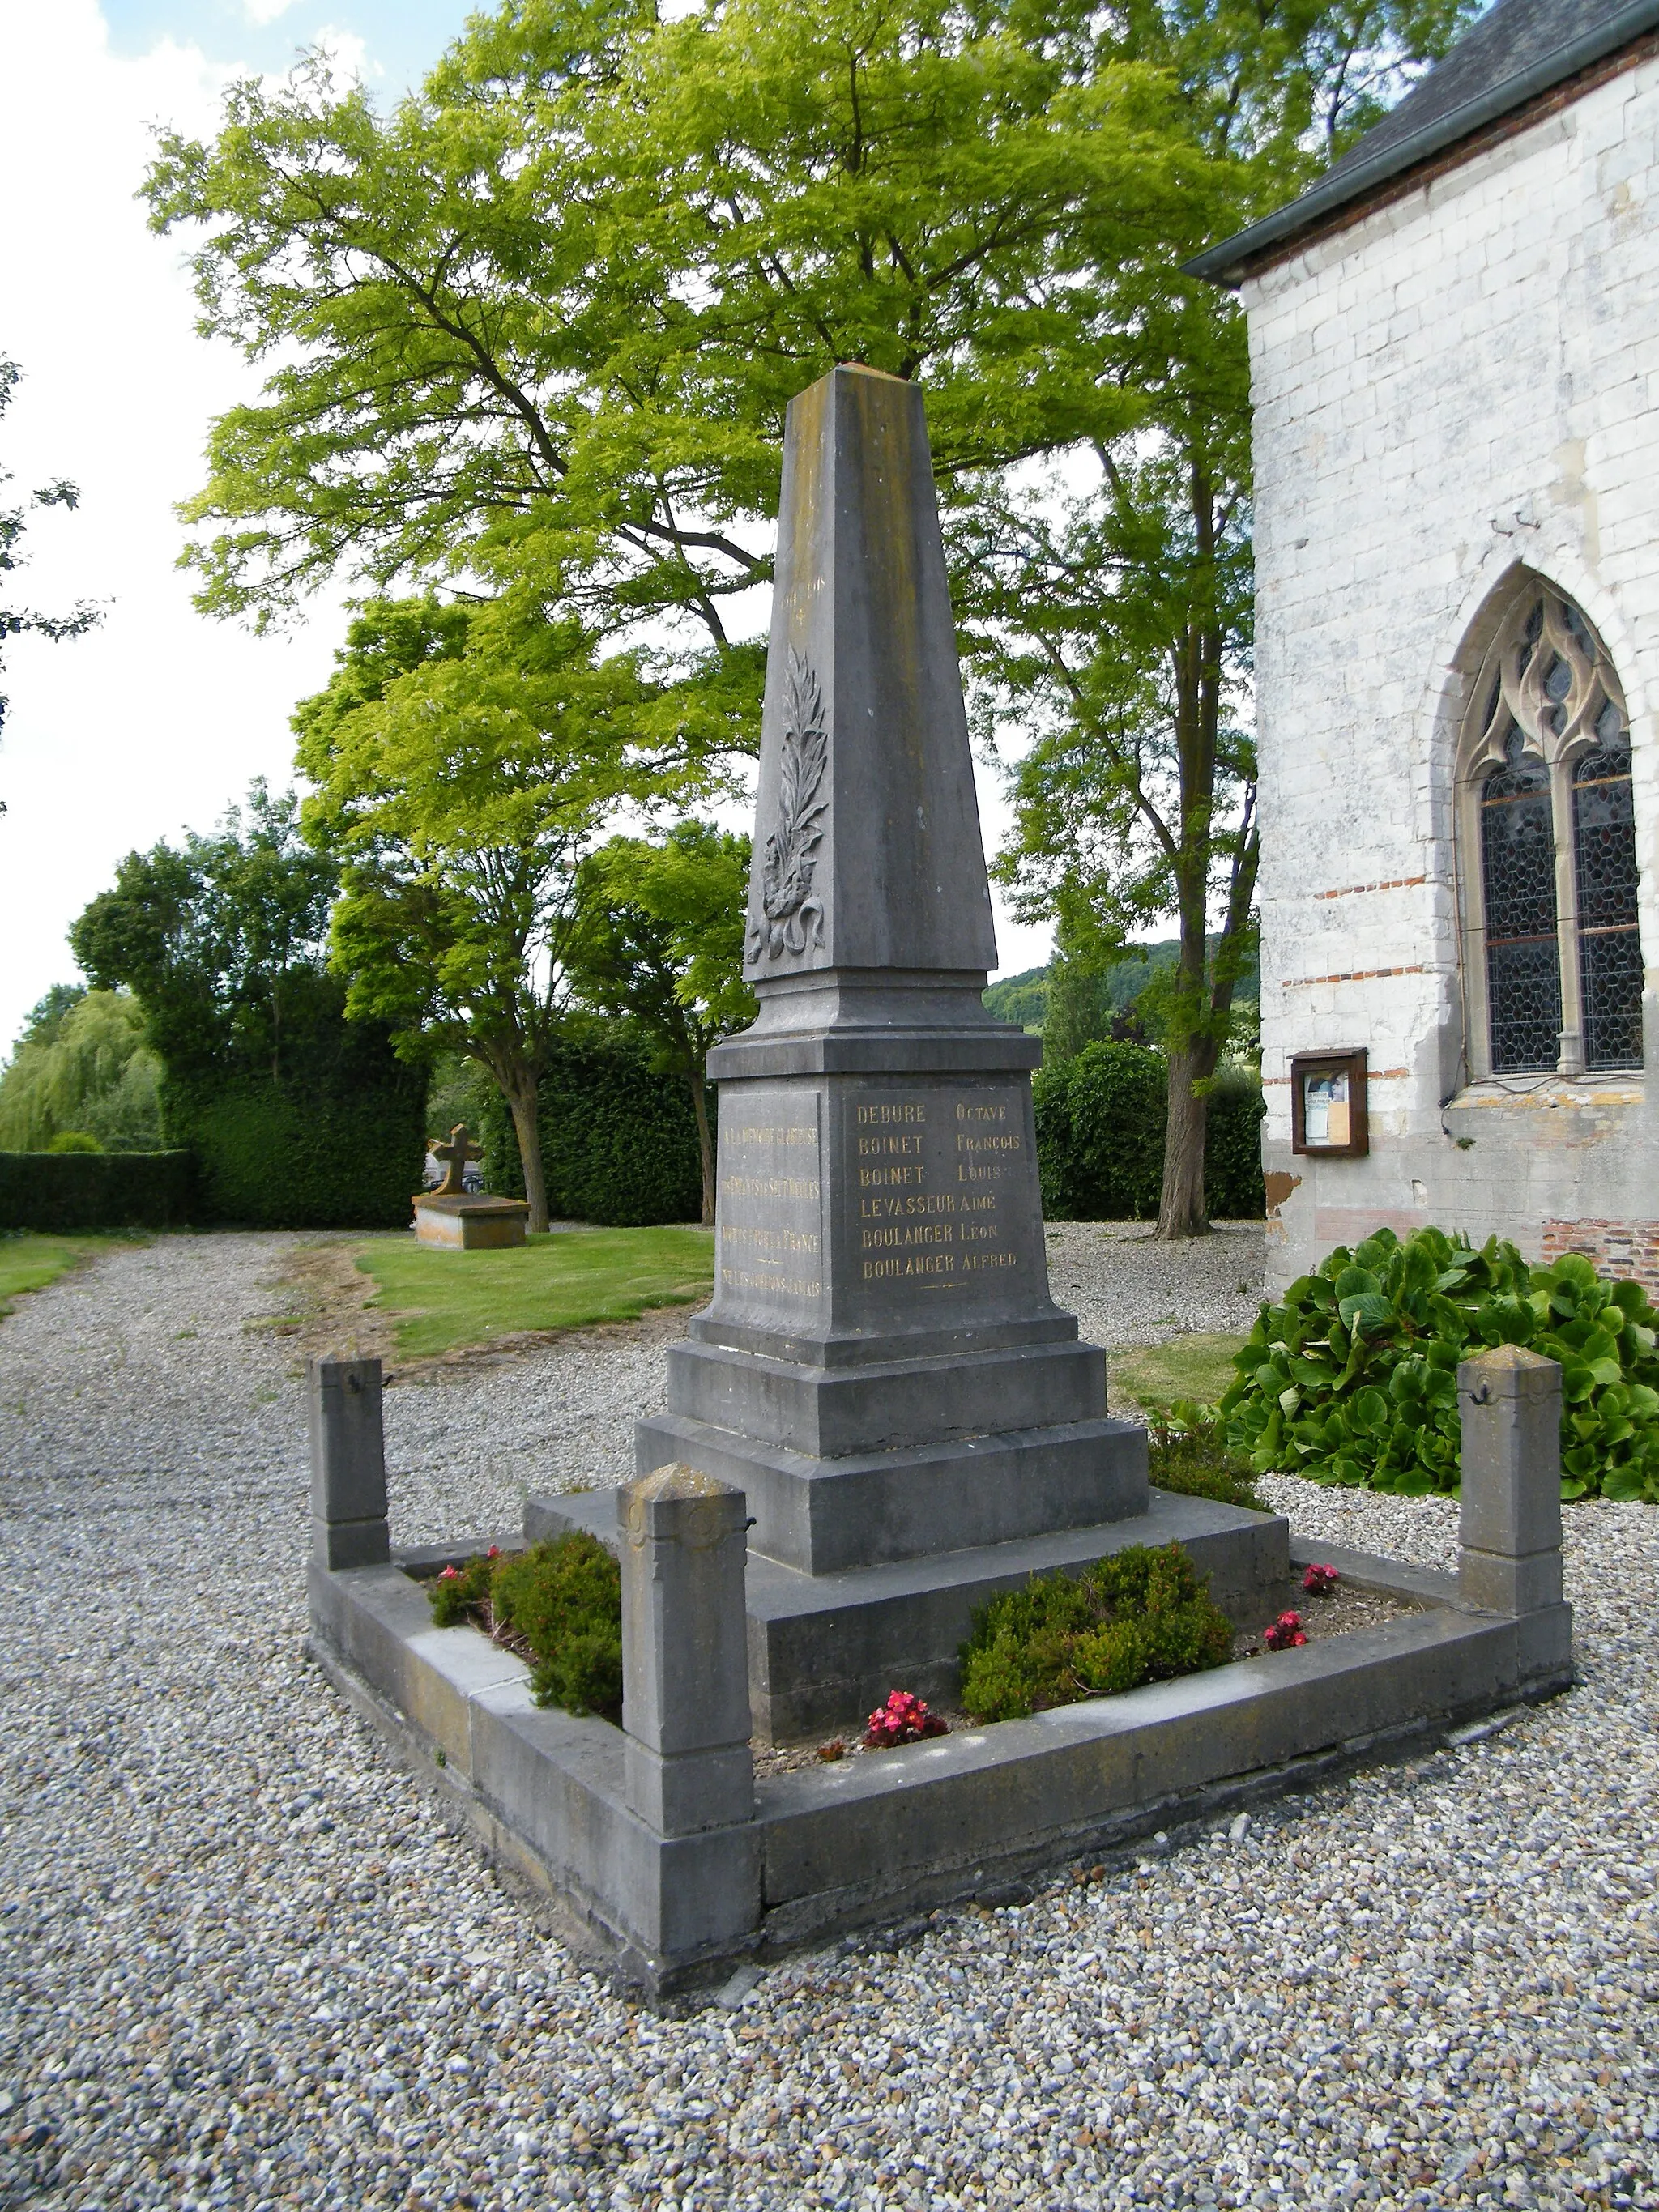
1188 1451
561 1602
1353 1377
1100 1132
1143 1615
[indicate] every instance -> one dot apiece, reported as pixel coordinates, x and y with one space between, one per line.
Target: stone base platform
470 1224
871 1838
824 1649
868 1508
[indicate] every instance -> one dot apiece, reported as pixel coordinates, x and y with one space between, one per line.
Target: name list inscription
927 1171
771 1239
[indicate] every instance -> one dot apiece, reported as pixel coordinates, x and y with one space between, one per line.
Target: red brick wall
1613 1247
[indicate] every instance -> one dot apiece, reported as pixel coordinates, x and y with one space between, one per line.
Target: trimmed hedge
1100 1132
344 1155
619 1141
60 1191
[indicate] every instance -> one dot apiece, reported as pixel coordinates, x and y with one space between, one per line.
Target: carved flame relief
792 917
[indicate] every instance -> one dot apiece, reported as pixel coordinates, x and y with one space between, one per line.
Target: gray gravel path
242 1964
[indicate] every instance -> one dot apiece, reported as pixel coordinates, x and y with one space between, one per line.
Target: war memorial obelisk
882 1369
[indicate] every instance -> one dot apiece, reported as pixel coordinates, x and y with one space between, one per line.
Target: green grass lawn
29 1262
1194 1366
441 1300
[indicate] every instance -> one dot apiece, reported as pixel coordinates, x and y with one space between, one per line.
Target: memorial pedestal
465 1223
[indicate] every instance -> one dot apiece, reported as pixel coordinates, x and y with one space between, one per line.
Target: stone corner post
349 1524
686 1652
1509 1532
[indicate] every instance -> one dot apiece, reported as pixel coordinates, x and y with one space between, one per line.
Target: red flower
1285 1634
450 1575
493 1552
1320 1582
902 1719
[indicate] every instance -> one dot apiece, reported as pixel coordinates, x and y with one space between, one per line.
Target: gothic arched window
1554 958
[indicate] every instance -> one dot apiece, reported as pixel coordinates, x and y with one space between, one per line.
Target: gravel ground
1124 1289
241 1963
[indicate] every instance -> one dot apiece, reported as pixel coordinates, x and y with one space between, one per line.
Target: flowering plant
1285 1632
902 1719
1320 1582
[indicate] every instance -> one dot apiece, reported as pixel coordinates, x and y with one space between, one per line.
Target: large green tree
535 329
82 1066
466 762
661 944
1115 612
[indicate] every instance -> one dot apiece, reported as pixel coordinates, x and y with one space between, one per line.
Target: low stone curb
843 1845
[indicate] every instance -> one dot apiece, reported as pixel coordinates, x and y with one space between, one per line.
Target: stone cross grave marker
458 1153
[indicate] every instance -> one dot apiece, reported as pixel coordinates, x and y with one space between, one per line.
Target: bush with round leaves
1353 1377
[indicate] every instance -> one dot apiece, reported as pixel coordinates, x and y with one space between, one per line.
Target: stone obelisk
882 1368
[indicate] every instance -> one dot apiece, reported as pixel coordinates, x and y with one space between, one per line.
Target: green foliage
660 944
1188 1451
299 1117
457 1598
1100 1132
1023 999
563 1599
464 767
1352 1378
75 1140
1143 1615
338 1145
618 1136
67 1191
83 1067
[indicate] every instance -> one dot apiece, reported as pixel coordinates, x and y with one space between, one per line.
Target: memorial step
825 1649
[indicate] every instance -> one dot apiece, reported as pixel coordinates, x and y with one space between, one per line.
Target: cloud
159 718
265 11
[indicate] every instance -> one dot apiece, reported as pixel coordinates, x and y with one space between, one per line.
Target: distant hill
1025 998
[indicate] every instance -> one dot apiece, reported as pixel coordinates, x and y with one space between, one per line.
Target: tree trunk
705 1141
1181 1208
521 1101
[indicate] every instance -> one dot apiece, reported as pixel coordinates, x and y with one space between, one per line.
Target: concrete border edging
839 1846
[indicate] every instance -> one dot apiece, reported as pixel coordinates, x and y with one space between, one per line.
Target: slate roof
1518 50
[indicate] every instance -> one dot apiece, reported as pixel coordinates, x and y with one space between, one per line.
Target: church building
1454 365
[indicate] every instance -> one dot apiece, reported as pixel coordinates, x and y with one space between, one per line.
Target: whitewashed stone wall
1464 382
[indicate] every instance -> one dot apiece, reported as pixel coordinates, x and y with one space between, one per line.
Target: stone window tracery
1552 954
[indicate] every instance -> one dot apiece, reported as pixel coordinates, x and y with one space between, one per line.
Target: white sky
159 719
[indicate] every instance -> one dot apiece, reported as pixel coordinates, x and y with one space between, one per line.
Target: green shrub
1101 1128
619 1141
563 1600
75 1140
1188 1452
1352 1378
340 1147
65 1191
1143 1615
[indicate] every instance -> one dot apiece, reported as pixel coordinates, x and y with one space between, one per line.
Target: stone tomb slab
469 1223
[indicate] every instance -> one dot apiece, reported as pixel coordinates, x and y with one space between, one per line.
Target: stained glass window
1517 866
1562 991
1604 852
